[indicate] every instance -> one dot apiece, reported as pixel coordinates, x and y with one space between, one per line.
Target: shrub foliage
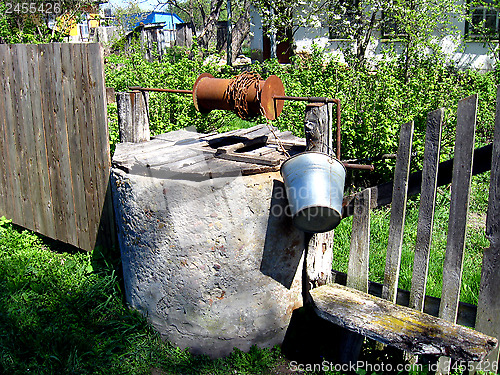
376 100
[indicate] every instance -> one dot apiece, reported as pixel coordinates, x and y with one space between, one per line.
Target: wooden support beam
318 131
398 212
399 326
426 209
133 120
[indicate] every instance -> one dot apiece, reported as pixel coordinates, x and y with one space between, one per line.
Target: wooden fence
487 316
54 148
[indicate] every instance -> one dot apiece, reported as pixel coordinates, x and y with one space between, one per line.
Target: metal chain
236 92
236 95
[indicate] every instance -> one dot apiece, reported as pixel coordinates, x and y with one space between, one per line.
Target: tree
205 14
38 21
419 23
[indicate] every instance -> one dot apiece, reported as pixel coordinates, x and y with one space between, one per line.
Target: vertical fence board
460 189
5 189
54 145
32 195
72 104
426 209
398 210
10 140
22 128
488 307
46 214
106 232
87 134
61 138
100 128
357 274
49 110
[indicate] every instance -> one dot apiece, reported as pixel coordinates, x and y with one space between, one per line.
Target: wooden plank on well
12 136
426 209
79 58
398 326
398 211
45 214
359 254
488 309
459 205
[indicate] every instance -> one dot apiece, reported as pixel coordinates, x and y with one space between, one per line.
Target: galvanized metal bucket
314 184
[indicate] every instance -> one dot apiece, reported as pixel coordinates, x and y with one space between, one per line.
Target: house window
390 26
341 18
483 19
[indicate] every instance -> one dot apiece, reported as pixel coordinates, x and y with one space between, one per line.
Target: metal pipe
174 91
359 166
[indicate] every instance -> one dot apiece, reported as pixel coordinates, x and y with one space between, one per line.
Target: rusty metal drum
314 184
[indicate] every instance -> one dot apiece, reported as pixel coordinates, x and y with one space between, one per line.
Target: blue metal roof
169 19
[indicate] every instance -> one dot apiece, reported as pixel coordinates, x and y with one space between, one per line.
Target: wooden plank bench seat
399 326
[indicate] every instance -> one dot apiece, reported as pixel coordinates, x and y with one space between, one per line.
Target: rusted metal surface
173 91
255 97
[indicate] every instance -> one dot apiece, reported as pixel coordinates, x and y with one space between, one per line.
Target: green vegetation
476 242
375 100
63 313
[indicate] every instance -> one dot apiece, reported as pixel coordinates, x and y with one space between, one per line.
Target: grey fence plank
426 209
32 195
50 111
44 213
87 134
107 232
488 309
71 104
5 188
460 189
357 274
61 137
101 139
10 139
398 211
23 126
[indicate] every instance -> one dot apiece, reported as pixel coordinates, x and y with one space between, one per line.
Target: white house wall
467 54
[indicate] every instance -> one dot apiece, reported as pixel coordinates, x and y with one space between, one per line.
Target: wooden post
426 210
318 126
133 119
459 208
318 131
398 211
488 306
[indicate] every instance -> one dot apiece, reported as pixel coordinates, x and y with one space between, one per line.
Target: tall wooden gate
54 148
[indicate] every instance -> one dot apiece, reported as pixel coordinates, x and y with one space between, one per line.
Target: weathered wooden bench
409 328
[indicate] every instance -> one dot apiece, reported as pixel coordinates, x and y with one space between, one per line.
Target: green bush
375 99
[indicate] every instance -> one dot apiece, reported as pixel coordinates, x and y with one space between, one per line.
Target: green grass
62 310
61 313
379 223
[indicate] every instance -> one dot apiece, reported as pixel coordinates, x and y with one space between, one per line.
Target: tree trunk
210 23
241 29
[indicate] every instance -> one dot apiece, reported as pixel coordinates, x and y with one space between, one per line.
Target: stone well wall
214 264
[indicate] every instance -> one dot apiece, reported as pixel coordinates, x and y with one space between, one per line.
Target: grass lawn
62 310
